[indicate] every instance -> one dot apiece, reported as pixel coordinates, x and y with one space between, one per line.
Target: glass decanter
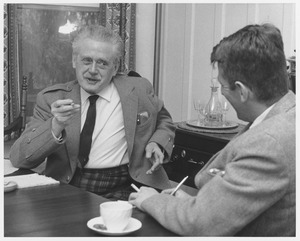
214 108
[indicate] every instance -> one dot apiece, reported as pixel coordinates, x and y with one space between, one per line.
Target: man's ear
244 91
116 67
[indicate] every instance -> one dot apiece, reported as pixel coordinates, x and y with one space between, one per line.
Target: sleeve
254 180
37 141
164 133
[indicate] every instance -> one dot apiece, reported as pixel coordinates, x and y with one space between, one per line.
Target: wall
145 32
189 33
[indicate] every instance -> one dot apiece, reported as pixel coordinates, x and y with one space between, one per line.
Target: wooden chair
18 127
19 124
133 74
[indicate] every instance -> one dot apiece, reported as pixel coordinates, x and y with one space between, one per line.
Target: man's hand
179 193
155 155
63 111
136 198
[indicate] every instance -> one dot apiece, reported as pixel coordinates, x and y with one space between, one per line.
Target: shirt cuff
58 139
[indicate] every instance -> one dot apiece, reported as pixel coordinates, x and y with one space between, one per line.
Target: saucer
132 226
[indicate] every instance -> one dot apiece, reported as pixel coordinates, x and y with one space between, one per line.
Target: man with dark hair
248 188
102 131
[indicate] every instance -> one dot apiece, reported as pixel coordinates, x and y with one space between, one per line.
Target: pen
135 187
179 185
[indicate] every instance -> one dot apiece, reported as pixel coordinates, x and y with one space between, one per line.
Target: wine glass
199 106
225 107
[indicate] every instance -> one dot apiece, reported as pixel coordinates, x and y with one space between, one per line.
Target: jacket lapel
129 102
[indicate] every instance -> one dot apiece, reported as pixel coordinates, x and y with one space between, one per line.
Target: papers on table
31 180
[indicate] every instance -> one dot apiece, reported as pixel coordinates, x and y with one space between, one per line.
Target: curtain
11 84
5 67
33 46
121 17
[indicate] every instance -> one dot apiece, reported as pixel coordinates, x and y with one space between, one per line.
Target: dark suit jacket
136 94
252 194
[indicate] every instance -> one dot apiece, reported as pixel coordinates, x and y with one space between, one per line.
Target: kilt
112 183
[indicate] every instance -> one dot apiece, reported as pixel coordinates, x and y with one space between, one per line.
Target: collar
261 117
105 94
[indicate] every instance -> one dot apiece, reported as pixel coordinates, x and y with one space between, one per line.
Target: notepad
31 180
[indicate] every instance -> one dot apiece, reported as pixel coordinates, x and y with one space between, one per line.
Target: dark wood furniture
191 152
18 125
61 211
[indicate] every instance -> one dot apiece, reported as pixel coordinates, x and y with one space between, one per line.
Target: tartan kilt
112 183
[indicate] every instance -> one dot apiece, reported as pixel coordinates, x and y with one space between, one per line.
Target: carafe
213 109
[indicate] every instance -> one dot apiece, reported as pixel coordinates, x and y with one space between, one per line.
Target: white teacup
116 215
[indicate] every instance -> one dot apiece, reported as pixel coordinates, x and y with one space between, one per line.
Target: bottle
213 108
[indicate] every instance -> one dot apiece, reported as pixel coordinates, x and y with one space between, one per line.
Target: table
61 211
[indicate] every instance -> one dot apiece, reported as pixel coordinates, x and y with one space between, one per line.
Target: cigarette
179 185
135 187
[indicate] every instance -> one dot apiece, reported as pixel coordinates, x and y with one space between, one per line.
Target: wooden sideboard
191 152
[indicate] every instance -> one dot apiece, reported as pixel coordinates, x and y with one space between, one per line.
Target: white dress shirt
109 146
261 117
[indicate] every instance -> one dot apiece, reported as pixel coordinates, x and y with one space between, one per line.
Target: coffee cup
115 215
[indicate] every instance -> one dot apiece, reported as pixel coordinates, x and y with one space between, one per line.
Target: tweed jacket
136 94
247 189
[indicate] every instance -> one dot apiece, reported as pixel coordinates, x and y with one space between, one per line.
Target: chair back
18 125
133 73
24 102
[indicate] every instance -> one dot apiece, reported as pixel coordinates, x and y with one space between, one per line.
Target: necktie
87 132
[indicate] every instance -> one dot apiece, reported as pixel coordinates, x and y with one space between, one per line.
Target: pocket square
142 117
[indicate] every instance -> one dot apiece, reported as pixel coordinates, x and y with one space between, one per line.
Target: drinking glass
199 106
